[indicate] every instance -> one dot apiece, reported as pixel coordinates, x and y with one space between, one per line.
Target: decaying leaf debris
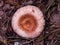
51 33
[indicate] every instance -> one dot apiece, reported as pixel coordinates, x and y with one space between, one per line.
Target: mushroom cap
34 18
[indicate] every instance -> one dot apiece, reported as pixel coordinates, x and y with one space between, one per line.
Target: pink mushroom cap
28 21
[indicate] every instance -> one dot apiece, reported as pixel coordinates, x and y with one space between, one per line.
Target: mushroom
28 21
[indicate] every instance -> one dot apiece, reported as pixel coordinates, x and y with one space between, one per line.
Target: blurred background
51 33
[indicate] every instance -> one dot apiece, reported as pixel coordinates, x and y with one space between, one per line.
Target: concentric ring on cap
32 11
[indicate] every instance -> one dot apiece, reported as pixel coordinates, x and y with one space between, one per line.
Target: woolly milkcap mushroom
28 21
